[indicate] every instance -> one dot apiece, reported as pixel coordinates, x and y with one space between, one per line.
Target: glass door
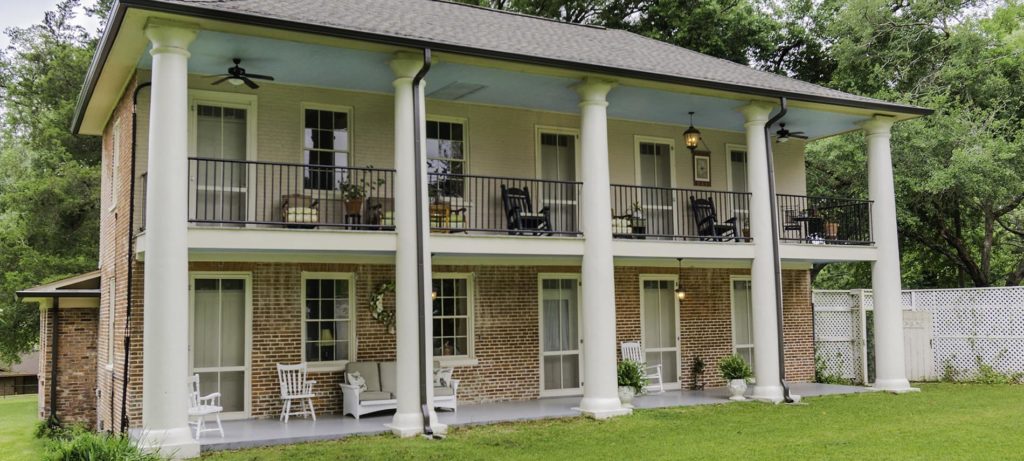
557 162
220 328
737 183
560 337
220 175
743 320
656 202
660 327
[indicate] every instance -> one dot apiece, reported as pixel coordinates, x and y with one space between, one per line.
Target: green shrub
823 376
631 374
734 367
90 446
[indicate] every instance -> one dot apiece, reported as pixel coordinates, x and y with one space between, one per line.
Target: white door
219 175
659 312
917 339
220 330
742 320
556 161
655 171
560 336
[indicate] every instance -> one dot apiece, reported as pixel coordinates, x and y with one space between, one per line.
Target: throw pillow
443 377
356 379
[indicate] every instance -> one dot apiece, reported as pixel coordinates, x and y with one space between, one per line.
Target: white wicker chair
634 351
295 386
201 406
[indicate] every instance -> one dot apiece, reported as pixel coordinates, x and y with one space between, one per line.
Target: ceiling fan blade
218 82
249 83
260 77
798 135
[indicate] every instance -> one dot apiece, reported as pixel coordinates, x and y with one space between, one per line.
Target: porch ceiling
361 70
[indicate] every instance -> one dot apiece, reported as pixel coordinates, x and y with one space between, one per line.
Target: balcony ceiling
344 68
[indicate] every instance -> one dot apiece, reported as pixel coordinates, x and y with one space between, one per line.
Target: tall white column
165 325
600 384
762 268
408 419
890 370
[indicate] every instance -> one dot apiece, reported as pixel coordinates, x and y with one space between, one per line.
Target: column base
171 443
766 393
599 408
896 386
406 424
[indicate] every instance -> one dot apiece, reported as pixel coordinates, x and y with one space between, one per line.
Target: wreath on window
377 311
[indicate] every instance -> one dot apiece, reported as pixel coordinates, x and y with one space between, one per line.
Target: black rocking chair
519 212
706 218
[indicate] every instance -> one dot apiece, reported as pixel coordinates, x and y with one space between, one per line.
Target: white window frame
674 278
547 129
732 314
470 357
640 139
349 151
249 102
465 137
729 149
115 160
235 275
541 277
333 365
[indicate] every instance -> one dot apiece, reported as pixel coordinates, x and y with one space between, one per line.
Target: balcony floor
263 432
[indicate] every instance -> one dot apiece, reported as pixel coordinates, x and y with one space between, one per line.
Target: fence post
862 331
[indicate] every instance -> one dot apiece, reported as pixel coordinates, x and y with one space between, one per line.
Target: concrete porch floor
264 432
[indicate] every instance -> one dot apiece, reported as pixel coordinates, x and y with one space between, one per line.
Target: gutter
52 421
776 260
121 6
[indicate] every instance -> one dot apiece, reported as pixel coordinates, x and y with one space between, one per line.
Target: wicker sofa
378 392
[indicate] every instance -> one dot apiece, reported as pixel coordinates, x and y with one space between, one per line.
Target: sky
22 13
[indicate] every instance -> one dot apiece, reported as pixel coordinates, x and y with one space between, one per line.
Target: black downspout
131 260
774 207
53 422
420 244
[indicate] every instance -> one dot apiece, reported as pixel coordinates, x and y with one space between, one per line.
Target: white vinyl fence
946 330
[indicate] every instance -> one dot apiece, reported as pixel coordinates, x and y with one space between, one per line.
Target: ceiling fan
784 134
237 75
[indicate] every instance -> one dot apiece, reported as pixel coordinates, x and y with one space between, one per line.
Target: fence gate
917 340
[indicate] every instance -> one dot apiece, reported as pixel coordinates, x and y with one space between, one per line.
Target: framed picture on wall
702 168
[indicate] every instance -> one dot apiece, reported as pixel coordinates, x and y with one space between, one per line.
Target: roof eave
121 6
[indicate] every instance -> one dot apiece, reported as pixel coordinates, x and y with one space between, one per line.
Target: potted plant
735 370
353 192
631 380
697 373
636 216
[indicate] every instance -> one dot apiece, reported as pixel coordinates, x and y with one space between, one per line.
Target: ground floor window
742 319
327 317
452 316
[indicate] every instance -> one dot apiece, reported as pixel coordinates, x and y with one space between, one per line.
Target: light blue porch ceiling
323 66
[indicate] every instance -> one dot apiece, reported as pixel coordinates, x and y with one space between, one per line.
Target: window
738 171
446 155
115 163
325 144
452 316
558 156
327 331
742 319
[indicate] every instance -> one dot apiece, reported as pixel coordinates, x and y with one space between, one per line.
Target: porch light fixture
691 136
680 291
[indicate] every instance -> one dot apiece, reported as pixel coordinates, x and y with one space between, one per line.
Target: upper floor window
325 144
452 312
446 155
327 318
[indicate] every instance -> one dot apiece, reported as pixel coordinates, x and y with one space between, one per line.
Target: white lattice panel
837 333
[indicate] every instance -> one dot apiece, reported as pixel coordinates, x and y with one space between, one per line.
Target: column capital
878 125
594 90
406 64
170 36
756 112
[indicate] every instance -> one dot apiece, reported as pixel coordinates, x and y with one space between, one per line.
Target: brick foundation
76 364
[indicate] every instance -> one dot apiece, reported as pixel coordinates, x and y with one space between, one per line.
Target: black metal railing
236 193
644 212
465 203
824 220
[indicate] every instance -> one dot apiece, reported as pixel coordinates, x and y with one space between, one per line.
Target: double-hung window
446 155
325 147
452 315
327 334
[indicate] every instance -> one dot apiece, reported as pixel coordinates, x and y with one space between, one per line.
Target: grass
945 421
17 426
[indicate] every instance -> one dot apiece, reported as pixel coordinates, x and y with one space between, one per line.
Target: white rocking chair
295 386
634 351
199 407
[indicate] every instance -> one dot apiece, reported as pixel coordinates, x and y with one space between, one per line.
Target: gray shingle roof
469 29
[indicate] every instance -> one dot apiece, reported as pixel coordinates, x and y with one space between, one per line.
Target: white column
762 268
600 384
165 325
408 419
890 371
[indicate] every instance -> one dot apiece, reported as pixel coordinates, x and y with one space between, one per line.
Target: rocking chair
519 211
706 218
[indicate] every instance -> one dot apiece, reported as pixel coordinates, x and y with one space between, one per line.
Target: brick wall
76 364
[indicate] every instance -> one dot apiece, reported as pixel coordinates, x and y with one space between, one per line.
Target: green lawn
945 421
17 426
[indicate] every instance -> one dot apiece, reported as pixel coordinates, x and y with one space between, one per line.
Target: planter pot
354 206
626 395
736 389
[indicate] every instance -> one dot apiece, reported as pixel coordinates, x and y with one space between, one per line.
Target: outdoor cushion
388 377
371 396
302 215
369 372
621 226
443 392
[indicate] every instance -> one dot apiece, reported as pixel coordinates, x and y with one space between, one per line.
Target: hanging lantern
691 136
680 291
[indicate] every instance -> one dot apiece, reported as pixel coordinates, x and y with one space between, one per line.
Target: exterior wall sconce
680 290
